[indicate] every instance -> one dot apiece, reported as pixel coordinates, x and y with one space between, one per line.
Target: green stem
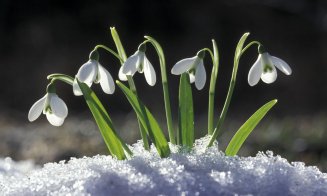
249 45
109 50
62 77
162 61
238 53
212 89
123 57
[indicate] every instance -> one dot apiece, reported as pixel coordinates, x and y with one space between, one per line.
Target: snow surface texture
200 172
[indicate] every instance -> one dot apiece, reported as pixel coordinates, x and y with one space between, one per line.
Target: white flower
93 71
138 62
52 106
194 67
264 68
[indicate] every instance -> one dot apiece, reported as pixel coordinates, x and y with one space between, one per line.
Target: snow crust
200 172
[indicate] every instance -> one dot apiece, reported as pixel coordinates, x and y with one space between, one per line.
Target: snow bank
197 173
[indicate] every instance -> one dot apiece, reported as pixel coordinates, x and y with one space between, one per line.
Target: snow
200 172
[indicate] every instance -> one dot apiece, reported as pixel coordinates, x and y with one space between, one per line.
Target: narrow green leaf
185 112
148 121
245 130
115 145
240 44
118 43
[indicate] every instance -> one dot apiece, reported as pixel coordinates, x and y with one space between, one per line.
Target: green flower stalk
238 54
212 89
164 80
130 80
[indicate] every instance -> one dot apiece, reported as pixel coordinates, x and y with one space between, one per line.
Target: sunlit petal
106 81
269 76
122 76
281 65
255 72
149 73
192 77
76 89
58 106
131 64
200 76
54 119
183 65
36 109
87 72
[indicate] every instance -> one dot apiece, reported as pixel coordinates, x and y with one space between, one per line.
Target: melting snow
200 172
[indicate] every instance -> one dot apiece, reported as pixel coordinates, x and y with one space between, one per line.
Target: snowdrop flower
264 68
194 67
138 62
93 71
52 106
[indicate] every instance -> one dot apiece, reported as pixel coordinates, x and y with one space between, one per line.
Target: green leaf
114 143
185 112
245 130
148 121
240 44
118 43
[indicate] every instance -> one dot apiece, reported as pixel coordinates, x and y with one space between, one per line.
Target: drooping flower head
138 63
264 68
52 106
93 72
194 67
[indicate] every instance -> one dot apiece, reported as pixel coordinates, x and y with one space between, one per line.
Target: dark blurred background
38 38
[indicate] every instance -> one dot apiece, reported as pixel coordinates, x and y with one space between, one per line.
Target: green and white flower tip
138 62
52 106
93 71
264 68
194 67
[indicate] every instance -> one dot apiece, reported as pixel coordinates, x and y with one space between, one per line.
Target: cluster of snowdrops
191 70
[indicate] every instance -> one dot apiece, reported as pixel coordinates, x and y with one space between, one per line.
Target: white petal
269 76
281 65
131 64
76 89
106 81
183 65
87 72
192 77
122 76
200 76
55 120
58 106
149 73
36 109
255 72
